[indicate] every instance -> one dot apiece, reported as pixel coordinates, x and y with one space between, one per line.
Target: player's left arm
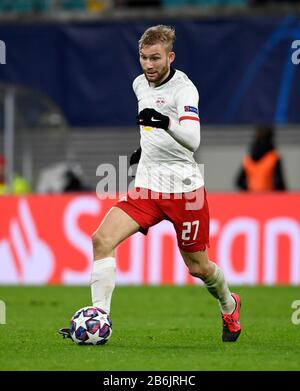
186 130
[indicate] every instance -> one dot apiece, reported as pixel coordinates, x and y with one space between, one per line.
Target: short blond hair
158 34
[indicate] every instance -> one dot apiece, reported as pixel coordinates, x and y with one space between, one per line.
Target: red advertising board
46 239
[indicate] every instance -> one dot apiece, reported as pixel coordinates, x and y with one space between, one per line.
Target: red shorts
188 212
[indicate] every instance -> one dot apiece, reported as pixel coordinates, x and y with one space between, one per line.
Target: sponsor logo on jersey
191 109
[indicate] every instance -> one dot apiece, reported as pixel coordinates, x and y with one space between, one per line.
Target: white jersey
168 165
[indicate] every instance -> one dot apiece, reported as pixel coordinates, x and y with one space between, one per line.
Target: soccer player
168 182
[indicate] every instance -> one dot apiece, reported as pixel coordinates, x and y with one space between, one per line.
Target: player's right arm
136 155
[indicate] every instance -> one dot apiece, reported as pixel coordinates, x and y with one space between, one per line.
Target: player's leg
131 214
190 216
213 277
201 267
115 227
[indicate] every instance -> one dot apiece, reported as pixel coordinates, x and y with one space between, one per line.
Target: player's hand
134 160
151 117
135 157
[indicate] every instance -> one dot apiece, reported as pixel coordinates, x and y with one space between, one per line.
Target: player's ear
171 57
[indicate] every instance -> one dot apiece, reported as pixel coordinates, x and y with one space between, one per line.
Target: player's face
155 62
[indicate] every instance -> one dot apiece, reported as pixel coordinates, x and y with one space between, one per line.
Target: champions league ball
90 326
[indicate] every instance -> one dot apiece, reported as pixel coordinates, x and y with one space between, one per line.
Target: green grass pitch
154 328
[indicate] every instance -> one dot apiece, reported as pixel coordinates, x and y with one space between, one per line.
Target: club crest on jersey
191 109
160 101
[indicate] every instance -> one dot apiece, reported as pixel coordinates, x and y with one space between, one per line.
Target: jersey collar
171 74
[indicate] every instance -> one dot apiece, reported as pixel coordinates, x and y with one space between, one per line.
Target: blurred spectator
47 5
262 169
73 182
96 5
19 185
61 178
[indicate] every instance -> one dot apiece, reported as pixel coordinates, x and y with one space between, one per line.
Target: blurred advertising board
46 240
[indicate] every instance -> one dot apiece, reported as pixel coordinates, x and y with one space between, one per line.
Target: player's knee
198 270
197 274
102 245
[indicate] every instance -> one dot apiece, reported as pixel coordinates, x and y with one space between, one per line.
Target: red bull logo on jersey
160 101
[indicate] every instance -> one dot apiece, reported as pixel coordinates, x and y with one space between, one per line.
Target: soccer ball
90 326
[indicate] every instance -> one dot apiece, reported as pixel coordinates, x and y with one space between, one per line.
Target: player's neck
165 79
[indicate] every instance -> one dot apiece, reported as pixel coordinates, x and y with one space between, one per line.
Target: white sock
103 282
218 287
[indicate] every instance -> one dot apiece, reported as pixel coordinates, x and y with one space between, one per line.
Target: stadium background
66 91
